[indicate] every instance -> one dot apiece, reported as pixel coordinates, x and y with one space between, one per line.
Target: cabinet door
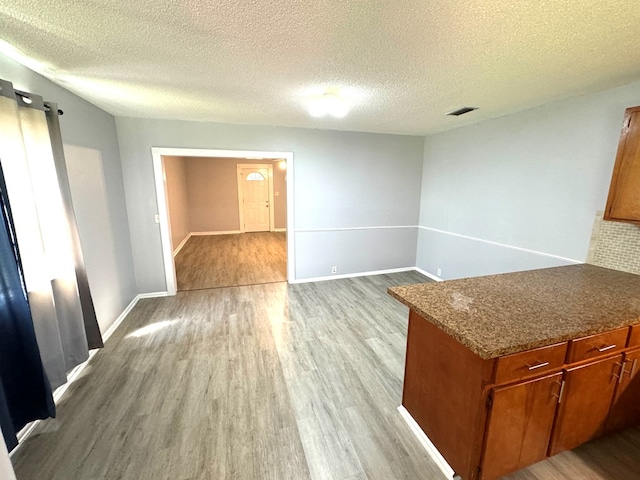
584 407
624 193
625 410
520 425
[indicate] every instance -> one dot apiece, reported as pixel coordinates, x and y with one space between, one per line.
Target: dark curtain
25 392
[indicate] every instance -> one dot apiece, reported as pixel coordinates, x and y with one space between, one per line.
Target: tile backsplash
615 245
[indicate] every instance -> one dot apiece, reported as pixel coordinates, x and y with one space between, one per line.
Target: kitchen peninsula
505 370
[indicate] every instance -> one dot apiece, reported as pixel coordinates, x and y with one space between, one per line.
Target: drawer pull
604 348
537 365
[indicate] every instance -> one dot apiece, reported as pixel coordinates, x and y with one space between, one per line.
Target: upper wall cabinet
623 204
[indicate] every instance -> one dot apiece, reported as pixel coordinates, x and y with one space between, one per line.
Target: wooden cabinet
520 424
634 336
585 403
625 409
444 393
491 417
623 203
597 345
531 363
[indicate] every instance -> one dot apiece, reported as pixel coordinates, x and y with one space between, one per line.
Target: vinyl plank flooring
214 261
270 381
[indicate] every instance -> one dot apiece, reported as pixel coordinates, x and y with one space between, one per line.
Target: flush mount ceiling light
329 104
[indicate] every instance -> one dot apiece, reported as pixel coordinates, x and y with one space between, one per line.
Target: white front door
255 192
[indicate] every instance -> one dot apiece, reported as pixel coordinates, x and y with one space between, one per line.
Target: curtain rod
48 107
7 90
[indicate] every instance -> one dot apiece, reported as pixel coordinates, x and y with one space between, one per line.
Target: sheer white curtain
46 233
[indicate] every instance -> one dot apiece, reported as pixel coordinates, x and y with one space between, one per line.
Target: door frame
163 209
269 168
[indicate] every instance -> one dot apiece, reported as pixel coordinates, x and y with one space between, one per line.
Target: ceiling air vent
462 111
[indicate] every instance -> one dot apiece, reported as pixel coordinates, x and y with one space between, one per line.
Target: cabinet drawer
597 345
529 363
634 336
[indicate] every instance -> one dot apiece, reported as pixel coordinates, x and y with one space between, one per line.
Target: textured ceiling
402 65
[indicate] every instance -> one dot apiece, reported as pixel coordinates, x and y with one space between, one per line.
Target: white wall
342 180
89 134
532 180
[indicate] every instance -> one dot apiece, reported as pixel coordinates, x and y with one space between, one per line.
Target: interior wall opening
225 217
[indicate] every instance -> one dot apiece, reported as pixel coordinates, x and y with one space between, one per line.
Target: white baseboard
364 274
112 328
151 295
427 274
75 373
217 232
353 275
182 244
433 452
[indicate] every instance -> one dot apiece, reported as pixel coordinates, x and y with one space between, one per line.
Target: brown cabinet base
444 391
520 424
625 409
582 414
487 423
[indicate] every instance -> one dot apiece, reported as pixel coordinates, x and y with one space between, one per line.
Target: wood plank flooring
258 382
213 261
270 381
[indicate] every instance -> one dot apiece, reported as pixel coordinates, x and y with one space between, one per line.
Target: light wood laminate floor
213 261
270 381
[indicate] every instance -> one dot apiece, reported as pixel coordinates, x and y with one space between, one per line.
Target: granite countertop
501 314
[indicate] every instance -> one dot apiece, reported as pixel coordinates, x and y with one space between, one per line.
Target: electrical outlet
439 272
334 269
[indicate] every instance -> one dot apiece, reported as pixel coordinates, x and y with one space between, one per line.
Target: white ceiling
402 64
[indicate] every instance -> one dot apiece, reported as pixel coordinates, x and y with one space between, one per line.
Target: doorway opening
218 230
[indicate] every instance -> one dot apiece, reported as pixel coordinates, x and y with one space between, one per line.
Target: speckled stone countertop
501 314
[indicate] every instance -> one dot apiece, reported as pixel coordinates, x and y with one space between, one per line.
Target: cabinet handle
537 365
604 348
560 392
622 371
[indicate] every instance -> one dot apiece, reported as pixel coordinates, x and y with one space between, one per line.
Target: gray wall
342 180
213 193
532 180
89 134
178 198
